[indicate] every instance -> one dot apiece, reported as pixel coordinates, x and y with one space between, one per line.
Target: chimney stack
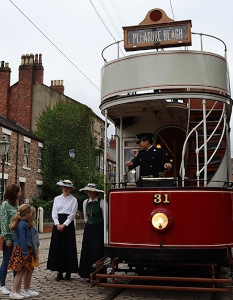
113 142
38 70
5 72
57 85
19 104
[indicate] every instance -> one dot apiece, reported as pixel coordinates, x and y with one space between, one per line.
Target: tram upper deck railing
200 47
190 68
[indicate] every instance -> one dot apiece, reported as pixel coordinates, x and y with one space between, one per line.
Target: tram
185 217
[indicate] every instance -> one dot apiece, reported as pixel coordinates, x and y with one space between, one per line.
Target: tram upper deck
182 96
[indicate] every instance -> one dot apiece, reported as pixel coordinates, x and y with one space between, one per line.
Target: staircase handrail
223 116
182 169
198 172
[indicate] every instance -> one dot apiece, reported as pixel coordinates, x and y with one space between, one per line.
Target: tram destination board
143 37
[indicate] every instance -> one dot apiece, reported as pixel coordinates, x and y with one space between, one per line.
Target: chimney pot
22 59
31 59
36 59
51 82
2 64
27 59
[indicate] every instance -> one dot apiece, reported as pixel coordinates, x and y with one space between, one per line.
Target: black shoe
59 277
67 277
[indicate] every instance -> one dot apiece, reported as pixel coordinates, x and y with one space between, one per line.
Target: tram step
106 263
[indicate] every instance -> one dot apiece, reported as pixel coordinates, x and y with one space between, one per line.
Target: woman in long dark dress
93 236
63 250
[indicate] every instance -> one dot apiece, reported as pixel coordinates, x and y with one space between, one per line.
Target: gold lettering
158 198
166 201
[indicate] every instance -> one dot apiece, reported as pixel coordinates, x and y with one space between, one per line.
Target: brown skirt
19 262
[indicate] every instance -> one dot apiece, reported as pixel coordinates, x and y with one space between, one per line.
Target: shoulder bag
2 243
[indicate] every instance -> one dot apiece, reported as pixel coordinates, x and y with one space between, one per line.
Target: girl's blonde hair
33 210
32 219
21 215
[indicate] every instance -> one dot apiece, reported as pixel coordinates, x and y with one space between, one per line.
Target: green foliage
47 205
63 127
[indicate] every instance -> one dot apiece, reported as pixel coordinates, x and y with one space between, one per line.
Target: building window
39 159
7 137
109 171
100 164
38 191
22 186
26 154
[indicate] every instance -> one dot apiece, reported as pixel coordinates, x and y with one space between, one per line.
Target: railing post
40 219
205 143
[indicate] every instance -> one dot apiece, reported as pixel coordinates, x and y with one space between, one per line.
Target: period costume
63 250
93 236
152 160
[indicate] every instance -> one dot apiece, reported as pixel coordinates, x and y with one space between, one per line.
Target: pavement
44 282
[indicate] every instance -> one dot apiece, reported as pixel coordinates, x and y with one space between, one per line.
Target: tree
67 129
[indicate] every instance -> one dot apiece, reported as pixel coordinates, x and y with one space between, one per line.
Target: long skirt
63 250
92 248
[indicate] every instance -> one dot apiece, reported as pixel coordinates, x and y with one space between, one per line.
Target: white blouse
64 205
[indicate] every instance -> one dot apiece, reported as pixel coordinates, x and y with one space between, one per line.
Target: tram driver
152 160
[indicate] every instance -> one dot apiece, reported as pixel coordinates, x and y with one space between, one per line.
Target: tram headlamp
159 221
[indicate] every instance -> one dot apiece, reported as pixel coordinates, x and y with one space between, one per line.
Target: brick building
23 162
20 105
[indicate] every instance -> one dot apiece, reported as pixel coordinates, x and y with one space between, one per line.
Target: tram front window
130 153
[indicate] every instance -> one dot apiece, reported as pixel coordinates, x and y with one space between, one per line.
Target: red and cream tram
184 218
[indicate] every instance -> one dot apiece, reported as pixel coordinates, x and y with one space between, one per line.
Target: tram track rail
114 294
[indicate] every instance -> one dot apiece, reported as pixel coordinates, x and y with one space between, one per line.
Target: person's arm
133 163
22 227
129 164
72 215
102 207
34 247
166 160
55 213
5 221
85 210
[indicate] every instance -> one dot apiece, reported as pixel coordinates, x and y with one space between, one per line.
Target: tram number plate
161 198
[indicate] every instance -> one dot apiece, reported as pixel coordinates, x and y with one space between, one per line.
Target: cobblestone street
44 282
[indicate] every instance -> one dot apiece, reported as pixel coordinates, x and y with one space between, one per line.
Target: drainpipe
17 156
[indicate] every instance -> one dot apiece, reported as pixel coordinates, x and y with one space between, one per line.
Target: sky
71 35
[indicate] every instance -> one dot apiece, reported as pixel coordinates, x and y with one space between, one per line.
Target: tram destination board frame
154 36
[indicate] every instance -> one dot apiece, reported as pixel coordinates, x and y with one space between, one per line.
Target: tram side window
130 153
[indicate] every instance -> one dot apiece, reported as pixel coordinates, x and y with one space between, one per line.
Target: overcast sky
70 35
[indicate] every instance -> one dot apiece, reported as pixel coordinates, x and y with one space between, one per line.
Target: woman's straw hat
92 187
66 183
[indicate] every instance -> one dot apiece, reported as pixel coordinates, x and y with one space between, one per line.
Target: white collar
149 147
95 200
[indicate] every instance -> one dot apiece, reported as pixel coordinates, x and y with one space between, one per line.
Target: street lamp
4 147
